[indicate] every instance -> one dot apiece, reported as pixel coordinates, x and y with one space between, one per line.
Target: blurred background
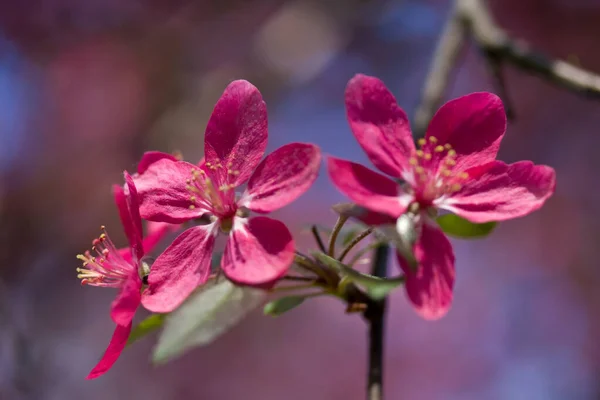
87 86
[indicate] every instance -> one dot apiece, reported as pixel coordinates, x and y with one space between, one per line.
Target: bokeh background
87 86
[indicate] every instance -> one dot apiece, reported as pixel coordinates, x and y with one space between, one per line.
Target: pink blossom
107 266
259 250
454 169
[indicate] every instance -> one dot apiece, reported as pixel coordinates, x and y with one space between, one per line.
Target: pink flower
454 169
107 266
259 250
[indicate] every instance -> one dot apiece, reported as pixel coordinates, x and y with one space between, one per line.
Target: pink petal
380 126
133 203
112 353
259 250
150 157
497 191
128 300
282 177
473 125
430 288
156 232
367 188
163 192
180 269
129 226
236 134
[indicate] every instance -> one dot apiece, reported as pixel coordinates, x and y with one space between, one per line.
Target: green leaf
377 288
148 325
277 307
459 227
208 313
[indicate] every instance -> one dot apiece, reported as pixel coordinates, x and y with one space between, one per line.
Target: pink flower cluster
453 169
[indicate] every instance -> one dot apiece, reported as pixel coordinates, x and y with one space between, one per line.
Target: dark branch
375 315
472 19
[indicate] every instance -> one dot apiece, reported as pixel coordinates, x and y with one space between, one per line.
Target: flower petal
380 126
180 269
367 188
236 134
282 177
150 157
133 204
497 191
429 288
156 232
113 351
473 125
163 192
129 226
128 300
259 250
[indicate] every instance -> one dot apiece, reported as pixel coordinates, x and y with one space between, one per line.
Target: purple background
87 86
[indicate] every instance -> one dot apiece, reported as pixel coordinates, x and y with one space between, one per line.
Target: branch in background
472 19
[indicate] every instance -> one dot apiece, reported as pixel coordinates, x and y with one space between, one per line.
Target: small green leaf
459 227
277 307
208 313
377 288
148 325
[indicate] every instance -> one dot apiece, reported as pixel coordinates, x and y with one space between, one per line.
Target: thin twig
354 242
299 278
317 235
334 234
375 315
472 19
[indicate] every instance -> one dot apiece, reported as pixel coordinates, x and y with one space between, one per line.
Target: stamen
432 139
420 153
108 269
421 142
438 149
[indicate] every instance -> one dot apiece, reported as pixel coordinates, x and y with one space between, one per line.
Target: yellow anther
464 175
420 153
432 139
450 162
446 172
448 146
192 207
451 153
438 149
428 156
192 198
229 164
419 170
421 142
455 187
413 161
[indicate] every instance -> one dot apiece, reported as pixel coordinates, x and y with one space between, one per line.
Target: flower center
433 175
207 194
104 266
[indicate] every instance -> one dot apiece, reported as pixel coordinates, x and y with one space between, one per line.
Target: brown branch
472 19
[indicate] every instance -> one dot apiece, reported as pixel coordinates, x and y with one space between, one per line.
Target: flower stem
375 315
354 242
291 288
317 235
334 234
